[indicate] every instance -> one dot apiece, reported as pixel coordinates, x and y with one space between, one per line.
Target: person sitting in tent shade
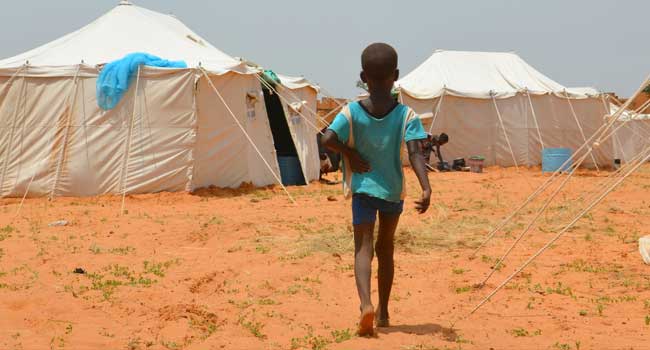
370 135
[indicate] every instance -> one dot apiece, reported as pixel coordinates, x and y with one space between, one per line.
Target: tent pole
438 106
277 178
582 132
68 126
127 148
532 109
505 133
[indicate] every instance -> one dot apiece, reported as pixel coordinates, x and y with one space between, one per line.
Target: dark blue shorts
365 208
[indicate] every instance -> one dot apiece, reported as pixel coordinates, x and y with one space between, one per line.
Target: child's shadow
448 334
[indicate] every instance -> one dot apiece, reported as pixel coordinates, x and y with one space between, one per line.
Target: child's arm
331 141
417 163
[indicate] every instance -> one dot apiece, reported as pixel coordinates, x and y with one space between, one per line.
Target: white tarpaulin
464 93
300 104
123 30
169 133
633 136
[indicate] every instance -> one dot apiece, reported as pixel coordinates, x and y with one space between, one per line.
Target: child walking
370 135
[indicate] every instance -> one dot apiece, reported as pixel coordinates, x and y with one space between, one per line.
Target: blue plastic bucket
290 171
553 158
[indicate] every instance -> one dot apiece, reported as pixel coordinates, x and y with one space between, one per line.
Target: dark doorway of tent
288 161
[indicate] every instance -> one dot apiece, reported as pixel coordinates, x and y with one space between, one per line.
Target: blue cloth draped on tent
114 80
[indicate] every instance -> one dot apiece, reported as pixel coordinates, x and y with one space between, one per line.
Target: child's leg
384 248
363 218
363 254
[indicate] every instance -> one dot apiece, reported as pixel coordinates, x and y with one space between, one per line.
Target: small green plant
647 320
562 346
215 220
158 269
560 289
521 332
5 232
458 271
170 345
340 336
267 301
463 289
582 313
262 249
95 249
255 328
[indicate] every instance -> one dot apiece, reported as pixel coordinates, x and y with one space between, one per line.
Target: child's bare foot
381 318
366 322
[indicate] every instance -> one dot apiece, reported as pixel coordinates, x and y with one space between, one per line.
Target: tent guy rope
437 111
66 133
250 140
532 222
297 99
127 151
532 110
597 135
285 100
646 156
582 132
505 133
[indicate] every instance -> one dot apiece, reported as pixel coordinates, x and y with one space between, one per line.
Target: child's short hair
379 61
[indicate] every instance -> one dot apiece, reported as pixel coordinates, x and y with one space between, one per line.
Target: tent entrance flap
283 141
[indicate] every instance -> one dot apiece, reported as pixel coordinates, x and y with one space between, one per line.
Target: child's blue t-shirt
378 141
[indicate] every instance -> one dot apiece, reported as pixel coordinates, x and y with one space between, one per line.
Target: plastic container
290 170
553 158
644 249
458 164
476 164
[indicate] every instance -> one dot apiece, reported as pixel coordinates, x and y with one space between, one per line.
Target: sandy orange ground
248 270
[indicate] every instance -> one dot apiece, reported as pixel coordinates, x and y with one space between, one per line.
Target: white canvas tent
633 136
171 132
495 105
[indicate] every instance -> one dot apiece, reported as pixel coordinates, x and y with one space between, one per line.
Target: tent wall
223 155
29 113
182 136
474 128
72 148
631 139
303 133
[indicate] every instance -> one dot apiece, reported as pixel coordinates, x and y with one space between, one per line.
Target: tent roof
126 29
586 90
477 75
295 83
